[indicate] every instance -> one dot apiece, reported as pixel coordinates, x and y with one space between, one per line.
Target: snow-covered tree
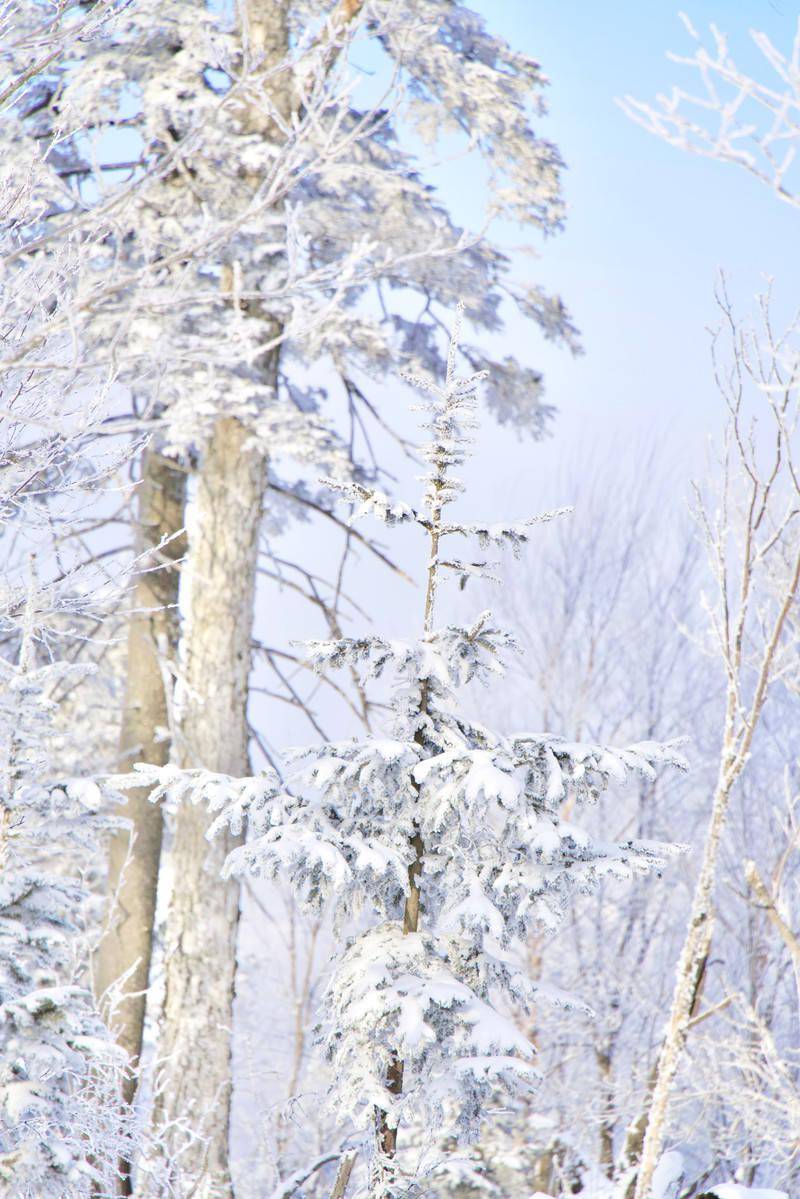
61 1125
60 1122
445 839
265 213
602 613
615 639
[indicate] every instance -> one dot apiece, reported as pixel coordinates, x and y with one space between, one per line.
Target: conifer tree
443 836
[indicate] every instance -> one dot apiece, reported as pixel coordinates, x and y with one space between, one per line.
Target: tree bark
194 1049
126 948
689 980
200 951
217 602
637 1130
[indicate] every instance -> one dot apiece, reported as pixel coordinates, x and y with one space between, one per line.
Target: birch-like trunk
688 980
740 727
637 1130
126 948
194 1049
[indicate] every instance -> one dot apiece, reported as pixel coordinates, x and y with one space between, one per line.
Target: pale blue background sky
649 226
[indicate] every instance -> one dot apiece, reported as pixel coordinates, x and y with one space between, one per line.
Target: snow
667 1175
735 1190
498 866
59 1069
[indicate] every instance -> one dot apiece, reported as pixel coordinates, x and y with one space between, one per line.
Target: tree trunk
194 1049
126 948
688 986
604 1059
217 604
200 951
637 1130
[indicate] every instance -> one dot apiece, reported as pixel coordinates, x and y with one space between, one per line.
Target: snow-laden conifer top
454 841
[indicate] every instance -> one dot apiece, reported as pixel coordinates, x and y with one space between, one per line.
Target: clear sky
649 227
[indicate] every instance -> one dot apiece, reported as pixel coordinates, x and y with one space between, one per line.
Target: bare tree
756 515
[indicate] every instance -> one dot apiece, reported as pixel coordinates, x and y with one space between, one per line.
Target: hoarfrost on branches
733 116
222 198
60 1127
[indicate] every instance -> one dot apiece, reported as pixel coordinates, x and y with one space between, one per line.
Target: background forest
301 446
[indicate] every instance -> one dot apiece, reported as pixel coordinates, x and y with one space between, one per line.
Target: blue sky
649 227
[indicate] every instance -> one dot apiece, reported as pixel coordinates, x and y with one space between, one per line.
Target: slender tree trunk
387 1133
604 1059
637 1129
343 1176
126 948
688 986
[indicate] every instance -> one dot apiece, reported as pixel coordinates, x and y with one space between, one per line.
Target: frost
369 502
58 1065
398 992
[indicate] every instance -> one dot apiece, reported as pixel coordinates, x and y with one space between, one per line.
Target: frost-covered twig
734 116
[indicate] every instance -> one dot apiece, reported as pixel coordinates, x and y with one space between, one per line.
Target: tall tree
125 950
266 217
211 717
753 520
